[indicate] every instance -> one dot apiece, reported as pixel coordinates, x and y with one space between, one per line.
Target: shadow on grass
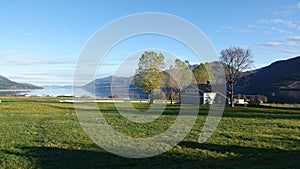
277 107
261 112
245 157
251 157
239 112
169 110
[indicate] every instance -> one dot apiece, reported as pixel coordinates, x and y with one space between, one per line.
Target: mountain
280 82
6 84
109 81
113 85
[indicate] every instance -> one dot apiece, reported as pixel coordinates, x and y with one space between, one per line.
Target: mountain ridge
273 80
7 84
279 81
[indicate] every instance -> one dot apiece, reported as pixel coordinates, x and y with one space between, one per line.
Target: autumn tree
178 76
235 61
149 75
204 72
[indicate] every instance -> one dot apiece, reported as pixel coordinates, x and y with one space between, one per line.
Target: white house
201 94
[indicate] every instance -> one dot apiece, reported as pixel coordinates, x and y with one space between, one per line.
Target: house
239 101
202 94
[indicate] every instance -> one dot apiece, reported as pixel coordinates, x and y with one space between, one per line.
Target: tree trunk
231 95
171 97
151 98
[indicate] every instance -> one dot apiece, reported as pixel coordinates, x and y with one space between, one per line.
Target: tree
235 61
203 73
149 75
178 76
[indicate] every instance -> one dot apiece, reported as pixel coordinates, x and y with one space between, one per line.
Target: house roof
207 88
204 87
201 87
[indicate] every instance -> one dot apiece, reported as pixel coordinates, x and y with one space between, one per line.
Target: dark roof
208 87
202 87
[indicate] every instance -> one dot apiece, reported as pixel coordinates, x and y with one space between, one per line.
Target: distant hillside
107 81
111 85
280 81
6 84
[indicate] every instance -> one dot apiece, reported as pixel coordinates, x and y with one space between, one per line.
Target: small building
239 101
201 94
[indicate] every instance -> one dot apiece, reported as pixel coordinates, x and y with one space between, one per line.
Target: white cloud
35 62
279 30
245 46
288 10
245 30
288 23
270 44
56 76
294 38
292 41
231 28
251 26
290 51
12 53
277 21
263 21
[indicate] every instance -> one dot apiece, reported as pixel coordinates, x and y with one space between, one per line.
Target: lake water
276 97
68 91
283 96
52 91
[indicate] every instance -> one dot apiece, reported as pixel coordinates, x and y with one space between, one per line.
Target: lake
47 90
102 92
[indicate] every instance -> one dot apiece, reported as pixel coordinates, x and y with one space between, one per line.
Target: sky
41 41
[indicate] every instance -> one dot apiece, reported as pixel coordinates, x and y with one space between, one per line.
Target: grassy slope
41 133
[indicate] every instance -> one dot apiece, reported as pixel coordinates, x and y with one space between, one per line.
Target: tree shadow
252 157
245 157
239 112
279 108
261 112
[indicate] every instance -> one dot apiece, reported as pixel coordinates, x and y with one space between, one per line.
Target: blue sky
42 40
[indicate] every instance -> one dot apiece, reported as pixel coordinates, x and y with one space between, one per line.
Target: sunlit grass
43 133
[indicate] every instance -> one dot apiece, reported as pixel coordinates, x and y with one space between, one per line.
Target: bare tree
235 60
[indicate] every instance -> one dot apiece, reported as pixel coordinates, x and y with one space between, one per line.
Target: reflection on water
279 96
103 92
284 96
10 92
47 90
36 92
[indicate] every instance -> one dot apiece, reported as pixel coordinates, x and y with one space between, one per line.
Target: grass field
42 133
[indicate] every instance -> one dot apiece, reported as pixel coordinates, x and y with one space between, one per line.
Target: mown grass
42 133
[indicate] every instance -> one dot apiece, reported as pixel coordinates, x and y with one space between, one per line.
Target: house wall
188 99
191 95
209 98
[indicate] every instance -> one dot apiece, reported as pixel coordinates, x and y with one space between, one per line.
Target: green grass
42 133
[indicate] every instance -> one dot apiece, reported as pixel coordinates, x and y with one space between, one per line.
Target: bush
116 96
258 99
